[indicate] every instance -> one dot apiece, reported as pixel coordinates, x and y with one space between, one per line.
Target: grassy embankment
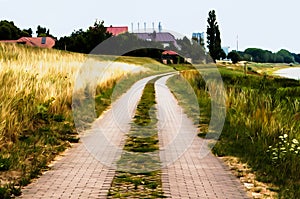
36 122
139 167
262 124
257 68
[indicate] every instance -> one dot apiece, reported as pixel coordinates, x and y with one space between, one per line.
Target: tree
5 33
260 55
26 33
213 37
84 41
287 56
43 32
96 34
234 56
296 57
8 30
222 54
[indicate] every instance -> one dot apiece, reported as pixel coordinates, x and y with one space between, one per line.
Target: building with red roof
169 52
115 31
42 42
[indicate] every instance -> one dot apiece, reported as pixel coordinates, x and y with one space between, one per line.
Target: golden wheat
31 76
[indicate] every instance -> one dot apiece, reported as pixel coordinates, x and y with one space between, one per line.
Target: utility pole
245 68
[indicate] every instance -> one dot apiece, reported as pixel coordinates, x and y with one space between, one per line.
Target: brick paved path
189 176
87 169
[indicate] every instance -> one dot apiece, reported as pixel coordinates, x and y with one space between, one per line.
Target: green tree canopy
234 56
84 41
265 56
8 30
287 56
43 32
296 57
26 32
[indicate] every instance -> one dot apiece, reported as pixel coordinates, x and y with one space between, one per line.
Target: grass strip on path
139 174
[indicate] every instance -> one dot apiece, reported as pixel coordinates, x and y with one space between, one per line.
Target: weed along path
185 173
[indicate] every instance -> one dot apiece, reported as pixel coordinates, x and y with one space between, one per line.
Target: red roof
117 30
43 42
169 52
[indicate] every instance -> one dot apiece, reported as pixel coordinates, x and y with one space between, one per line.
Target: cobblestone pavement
190 170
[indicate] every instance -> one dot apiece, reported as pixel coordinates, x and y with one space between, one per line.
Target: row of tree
9 31
264 56
250 54
84 41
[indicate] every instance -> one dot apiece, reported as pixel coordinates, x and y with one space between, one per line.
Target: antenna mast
237 43
159 27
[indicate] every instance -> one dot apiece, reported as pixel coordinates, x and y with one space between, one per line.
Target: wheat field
31 77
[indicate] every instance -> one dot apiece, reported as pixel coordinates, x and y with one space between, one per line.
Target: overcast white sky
267 24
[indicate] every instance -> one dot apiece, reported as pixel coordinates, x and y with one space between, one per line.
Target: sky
266 24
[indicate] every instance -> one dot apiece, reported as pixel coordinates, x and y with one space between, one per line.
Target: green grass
141 154
260 111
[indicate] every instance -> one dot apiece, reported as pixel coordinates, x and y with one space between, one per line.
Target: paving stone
81 173
191 175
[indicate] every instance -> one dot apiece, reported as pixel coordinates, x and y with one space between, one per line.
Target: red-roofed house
117 30
42 42
171 57
170 52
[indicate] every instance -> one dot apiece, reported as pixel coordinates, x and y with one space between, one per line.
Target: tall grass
36 89
262 125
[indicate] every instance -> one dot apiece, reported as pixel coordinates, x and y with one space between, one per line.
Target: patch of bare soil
255 189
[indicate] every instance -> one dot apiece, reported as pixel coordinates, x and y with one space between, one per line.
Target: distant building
42 42
172 57
115 31
169 56
165 38
199 37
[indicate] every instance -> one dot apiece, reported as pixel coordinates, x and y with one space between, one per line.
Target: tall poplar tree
213 37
